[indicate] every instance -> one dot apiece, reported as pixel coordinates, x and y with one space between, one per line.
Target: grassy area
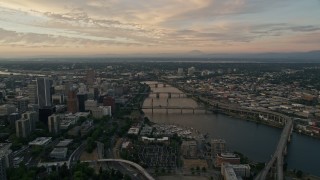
85 156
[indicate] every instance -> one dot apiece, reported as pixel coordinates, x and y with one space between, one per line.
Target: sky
97 27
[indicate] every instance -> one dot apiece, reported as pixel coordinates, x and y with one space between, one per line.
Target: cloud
215 9
13 38
308 28
282 28
156 24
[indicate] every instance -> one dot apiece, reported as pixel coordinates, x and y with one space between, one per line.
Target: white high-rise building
33 116
23 128
54 123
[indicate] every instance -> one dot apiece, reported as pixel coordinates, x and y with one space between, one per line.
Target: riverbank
249 118
242 134
268 123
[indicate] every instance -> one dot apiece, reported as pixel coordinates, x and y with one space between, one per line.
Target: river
256 141
19 73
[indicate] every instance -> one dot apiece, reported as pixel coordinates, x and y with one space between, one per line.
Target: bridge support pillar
169 95
158 95
156 85
289 138
152 106
285 151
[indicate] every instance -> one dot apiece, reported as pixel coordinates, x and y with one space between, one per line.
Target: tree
83 171
198 168
163 170
63 171
126 177
36 150
299 174
53 175
79 175
118 175
82 119
90 145
146 120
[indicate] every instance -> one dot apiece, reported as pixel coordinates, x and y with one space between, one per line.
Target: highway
135 165
75 156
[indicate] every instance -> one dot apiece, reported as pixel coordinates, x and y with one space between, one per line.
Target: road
132 164
75 156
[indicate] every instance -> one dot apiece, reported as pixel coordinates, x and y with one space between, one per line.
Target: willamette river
256 141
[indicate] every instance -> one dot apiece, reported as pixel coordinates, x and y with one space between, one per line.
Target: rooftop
4 147
228 155
133 130
40 141
59 150
59 153
218 141
64 142
189 143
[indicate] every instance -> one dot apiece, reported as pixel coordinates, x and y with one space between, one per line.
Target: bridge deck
278 154
137 166
172 107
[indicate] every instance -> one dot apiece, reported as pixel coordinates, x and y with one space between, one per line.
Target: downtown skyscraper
44 92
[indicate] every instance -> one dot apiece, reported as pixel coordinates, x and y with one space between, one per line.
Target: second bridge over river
176 108
181 108
165 94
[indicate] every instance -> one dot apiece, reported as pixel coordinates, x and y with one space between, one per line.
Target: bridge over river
274 168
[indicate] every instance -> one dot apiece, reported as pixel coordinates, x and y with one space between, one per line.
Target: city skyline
68 28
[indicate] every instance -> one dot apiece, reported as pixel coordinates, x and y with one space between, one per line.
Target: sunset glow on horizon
80 27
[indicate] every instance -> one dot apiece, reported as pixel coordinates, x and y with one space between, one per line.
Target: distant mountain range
272 55
311 56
